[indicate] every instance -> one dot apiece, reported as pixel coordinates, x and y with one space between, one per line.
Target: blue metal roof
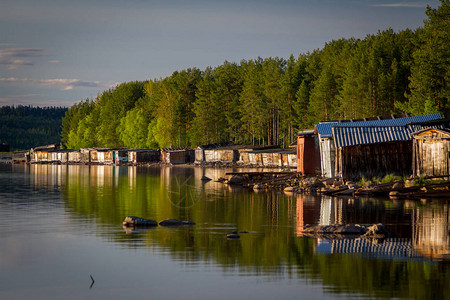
324 129
352 136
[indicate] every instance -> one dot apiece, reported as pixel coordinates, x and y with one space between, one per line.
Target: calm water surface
61 224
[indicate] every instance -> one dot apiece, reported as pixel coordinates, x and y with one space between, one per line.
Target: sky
59 52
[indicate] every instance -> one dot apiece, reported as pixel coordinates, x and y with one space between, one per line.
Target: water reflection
274 246
431 230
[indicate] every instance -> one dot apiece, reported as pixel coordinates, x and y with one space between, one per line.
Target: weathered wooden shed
308 153
136 156
225 155
177 156
63 156
21 157
271 159
85 155
106 156
288 159
327 145
255 158
41 156
373 150
74 156
120 156
431 152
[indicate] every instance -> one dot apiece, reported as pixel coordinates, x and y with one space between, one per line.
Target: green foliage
376 180
24 127
391 178
266 100
430 70
363 181
133 129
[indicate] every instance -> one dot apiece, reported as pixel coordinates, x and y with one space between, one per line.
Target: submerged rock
233 236
377 231
136 221
175 223
258 187
221 179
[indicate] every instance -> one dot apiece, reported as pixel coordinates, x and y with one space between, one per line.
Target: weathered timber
374 160
431 148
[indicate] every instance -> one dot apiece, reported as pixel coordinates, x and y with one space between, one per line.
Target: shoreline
287 180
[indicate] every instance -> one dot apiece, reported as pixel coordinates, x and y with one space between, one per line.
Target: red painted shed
308 153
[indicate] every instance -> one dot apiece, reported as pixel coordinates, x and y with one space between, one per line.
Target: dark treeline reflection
413 265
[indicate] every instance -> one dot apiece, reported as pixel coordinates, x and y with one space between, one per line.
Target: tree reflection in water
413 265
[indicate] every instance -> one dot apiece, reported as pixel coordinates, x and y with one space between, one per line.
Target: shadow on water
414 264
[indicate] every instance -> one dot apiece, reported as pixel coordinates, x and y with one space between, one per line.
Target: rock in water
288 189
233 236
204 178
377 231
136 221
175 223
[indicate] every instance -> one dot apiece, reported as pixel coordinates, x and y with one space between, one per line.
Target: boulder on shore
136 221
175 223
236 179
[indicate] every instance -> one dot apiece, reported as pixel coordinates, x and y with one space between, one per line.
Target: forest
24 127
266 101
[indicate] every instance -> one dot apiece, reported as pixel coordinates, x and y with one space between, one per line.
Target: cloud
7 45
55 61
402 4
16 57
61 83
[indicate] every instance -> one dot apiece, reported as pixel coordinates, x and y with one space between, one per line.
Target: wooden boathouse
431 152
327 143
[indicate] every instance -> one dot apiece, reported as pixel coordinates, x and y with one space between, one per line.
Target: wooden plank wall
327 157
373 160
431 157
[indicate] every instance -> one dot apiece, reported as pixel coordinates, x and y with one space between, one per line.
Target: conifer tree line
265 101
23 127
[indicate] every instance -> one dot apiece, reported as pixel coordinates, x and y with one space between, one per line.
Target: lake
60 225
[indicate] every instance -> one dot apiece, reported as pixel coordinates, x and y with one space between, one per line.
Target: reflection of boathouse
431 231
389 248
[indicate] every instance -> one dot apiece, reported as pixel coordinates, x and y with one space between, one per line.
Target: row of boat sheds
225 153
351 149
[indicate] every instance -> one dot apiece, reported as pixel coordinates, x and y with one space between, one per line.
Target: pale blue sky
58 52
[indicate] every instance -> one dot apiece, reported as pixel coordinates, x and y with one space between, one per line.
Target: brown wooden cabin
431 152
144 156
177 156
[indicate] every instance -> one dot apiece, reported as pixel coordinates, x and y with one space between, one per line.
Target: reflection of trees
107 194
431 230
